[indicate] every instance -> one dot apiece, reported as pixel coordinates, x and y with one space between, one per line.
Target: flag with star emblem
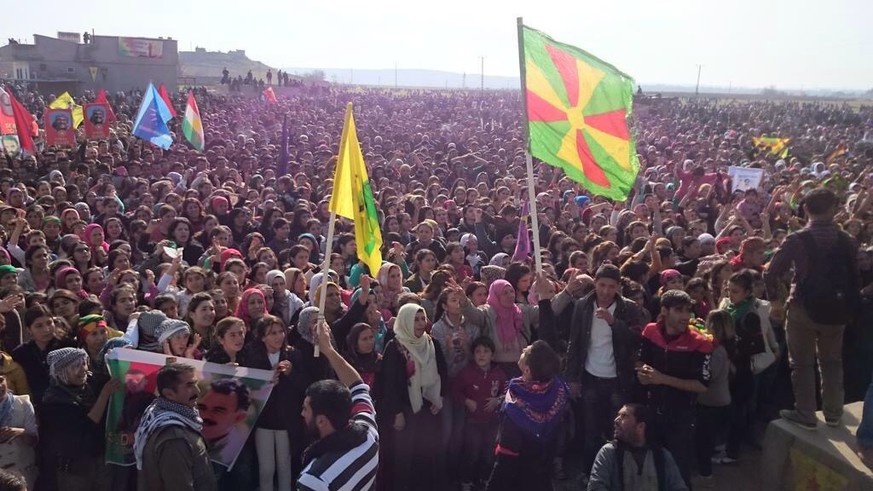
578 111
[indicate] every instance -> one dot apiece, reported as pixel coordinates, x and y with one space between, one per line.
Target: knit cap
170 327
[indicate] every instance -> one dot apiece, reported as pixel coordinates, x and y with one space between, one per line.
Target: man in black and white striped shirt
346 454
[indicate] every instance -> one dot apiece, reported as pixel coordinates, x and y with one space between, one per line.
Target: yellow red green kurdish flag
578 114
352 196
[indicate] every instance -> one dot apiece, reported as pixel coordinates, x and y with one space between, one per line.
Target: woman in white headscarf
413 374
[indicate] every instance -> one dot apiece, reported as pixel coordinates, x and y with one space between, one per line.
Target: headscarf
316 280
169 327
489 274
316 297
89 323
498 259
425 382
86 236
213 203
60 362
273 274
305 322
61 277
669 274
387 294
315 252
509 320
242 308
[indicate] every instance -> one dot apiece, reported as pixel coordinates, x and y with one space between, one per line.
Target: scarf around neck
536 407
160 414
741 308
425 382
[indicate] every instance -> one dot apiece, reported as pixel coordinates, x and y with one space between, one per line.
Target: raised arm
347 375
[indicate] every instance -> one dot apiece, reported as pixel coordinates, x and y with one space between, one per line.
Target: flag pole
325 267
531 193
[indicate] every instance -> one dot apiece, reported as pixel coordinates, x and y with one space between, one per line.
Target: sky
786 44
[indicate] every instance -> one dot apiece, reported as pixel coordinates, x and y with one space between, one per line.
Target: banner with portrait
231 399
59 129
745 178
140 48
96 124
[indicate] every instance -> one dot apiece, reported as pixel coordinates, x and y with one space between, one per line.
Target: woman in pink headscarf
95 237
507 324
251 307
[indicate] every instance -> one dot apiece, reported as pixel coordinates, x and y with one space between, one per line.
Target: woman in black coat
268 351
413 382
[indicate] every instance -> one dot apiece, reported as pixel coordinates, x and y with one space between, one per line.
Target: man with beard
346 453
222 408
649 467
170 452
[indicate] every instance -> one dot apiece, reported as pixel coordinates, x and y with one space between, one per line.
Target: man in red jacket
674 368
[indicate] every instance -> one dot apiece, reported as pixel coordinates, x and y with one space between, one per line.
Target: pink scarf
509 319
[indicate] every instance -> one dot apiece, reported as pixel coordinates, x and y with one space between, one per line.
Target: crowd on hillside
658 338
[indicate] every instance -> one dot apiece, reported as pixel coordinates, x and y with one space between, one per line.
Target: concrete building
112 62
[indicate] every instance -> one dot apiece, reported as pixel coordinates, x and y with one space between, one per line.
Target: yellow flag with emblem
352 196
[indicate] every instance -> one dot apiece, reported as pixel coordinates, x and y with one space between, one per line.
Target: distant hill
410 78
207 65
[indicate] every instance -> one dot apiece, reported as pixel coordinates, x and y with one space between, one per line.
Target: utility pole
351 76
395 74
482 73
464 81
697 88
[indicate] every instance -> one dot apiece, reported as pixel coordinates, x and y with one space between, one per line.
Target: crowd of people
658 336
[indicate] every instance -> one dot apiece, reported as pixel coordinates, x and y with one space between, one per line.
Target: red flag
269 95
101 97
162 91
23 124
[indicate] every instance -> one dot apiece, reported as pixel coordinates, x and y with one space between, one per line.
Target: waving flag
578 113
23 124
192 125
352 196
269 95
101 97
65 101
151 120
166 98
776 146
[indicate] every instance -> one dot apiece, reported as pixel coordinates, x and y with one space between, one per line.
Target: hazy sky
749 43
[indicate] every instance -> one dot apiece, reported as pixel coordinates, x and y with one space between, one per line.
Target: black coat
626 331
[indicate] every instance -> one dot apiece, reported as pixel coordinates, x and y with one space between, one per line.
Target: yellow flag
352 196
65 101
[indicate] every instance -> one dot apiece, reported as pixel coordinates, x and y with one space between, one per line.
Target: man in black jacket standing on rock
604 335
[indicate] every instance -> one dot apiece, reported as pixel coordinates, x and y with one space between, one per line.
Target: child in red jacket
480 386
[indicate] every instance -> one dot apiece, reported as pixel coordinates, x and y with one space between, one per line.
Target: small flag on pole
352 196
166 98
192 125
